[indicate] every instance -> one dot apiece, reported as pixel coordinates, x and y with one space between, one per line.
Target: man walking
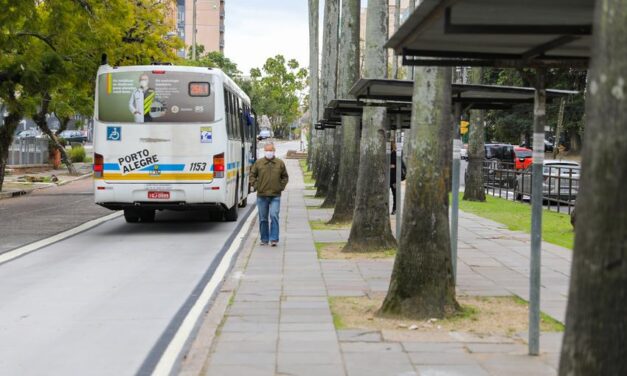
269 178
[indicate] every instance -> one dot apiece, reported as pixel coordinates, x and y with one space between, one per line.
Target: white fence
28 151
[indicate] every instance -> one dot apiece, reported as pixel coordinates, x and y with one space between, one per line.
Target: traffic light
463 127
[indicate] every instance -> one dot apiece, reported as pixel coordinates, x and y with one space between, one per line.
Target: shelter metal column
539 121
457 144
388 156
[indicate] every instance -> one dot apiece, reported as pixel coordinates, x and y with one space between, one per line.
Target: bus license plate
159 195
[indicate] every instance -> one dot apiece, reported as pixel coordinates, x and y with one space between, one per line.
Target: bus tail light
218 165
98 165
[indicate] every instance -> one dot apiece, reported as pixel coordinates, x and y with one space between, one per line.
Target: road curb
195 360
23 192
81 177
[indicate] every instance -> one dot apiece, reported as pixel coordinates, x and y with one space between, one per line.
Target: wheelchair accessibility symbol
114 133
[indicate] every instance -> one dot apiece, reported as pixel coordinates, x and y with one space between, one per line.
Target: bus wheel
243 203
147 216
131 216
231 214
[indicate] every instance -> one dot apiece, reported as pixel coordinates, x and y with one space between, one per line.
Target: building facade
209 24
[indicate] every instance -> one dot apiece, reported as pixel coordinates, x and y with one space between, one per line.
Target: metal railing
559 188
28 151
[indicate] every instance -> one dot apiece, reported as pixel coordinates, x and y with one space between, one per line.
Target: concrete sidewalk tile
441 358
257 346
309 327
248 336
309 358
249 327
452 370
327 318
359 335
240 370
515 365
509 348
299 345
310 370
442 347
362 347
309 336
383 364
240 358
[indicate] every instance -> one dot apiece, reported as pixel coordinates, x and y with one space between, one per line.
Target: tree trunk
313 77
349 168
348 73
558 128
422 284
596 318
371 229
474 187
328 90
7 130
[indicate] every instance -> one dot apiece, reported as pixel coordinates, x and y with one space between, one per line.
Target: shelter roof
508 33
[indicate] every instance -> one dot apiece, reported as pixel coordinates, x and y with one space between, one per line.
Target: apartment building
209 23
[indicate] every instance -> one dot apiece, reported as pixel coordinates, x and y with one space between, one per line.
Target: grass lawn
323 225
309 181
556 227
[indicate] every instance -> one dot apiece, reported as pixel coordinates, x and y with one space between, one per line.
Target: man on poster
141 100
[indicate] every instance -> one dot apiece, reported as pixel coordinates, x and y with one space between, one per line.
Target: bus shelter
465 97
529 35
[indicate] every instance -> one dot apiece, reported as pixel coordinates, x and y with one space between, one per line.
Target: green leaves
276 90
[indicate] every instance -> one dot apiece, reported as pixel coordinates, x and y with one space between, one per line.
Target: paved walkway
279 322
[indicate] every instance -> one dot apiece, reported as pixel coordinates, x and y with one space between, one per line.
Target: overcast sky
258 29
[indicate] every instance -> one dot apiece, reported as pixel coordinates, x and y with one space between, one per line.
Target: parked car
499 165
73 136
29 133
523 158
264 133
560 180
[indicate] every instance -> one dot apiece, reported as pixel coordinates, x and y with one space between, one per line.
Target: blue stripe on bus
162 167
165 167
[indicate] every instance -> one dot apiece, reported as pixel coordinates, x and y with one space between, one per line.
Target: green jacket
269 177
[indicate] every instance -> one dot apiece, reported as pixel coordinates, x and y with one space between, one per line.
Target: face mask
269 154
143 83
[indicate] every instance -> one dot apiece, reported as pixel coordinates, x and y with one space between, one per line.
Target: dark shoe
393 212
263 243
273 244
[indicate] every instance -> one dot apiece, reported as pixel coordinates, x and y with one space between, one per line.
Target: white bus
171 137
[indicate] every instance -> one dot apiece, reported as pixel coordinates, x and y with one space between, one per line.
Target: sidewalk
279 321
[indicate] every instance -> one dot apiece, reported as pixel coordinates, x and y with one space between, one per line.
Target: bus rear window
150 97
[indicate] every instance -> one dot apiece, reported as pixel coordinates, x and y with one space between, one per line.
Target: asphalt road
97 303
46 212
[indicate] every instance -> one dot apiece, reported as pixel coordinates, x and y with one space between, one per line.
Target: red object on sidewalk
56 159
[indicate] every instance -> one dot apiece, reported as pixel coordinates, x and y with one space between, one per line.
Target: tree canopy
50 52
275 90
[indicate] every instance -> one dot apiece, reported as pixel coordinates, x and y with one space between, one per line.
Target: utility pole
194 31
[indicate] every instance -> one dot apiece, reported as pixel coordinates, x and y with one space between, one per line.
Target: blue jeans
269 205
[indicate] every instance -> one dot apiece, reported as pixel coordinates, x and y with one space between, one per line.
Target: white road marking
175 347
18 252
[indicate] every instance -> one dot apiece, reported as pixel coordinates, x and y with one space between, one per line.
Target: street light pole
194 30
